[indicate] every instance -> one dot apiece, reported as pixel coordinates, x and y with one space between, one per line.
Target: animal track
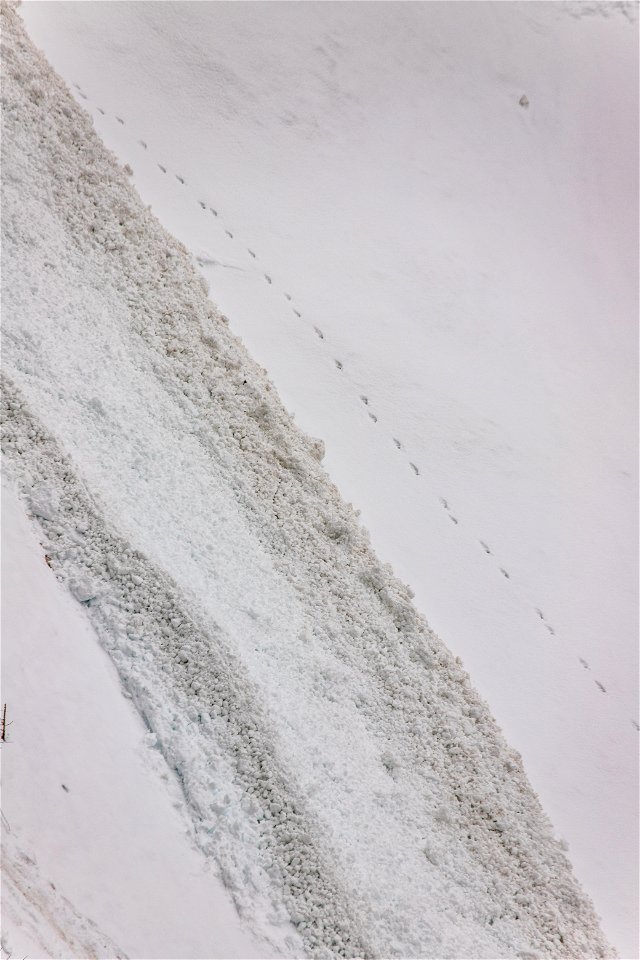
636 724
339 366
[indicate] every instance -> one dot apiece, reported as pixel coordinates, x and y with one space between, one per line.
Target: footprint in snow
444 503
397 443
484 546
100 110
373 417
214 212
202 204
81 94
120 120
164 169
600 686
550 629
229 234
287 295
504 573
338 364
268 278
415 469
452 518
298 314
364 399
584 663
636 724
319 333
180 179
251 253
142 144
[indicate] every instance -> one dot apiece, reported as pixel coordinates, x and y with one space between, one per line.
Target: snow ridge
336 761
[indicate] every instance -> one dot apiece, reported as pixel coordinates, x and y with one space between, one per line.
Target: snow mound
334 758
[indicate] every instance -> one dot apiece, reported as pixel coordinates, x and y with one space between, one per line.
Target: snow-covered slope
421 220
334 759
93 823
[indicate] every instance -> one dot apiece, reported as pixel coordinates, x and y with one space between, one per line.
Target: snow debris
198 498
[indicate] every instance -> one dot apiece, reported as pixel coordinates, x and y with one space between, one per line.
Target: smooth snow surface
367 794
117 845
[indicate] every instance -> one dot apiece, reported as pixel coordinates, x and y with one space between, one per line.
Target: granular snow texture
336 762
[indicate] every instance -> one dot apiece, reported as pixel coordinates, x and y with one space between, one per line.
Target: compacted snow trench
353 790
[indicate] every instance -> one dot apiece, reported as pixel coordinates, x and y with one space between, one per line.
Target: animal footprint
229 234
365 400
251 253
397 443
319 332
453 519
214 212
120 120
415 469
584 663
484 547
267 278
550 629
287 295
338 364
444 503
297 313
164 169
180 179
636 724
100 110
202 204
600 686
504 573
142 144
81 94
373 417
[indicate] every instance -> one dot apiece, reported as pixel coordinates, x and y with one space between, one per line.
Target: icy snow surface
195 524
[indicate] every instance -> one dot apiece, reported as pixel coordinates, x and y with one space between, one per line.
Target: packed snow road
335 760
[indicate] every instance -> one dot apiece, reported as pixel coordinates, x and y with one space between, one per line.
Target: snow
118 848
436 423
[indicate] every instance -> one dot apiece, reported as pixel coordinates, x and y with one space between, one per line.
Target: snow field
360 781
